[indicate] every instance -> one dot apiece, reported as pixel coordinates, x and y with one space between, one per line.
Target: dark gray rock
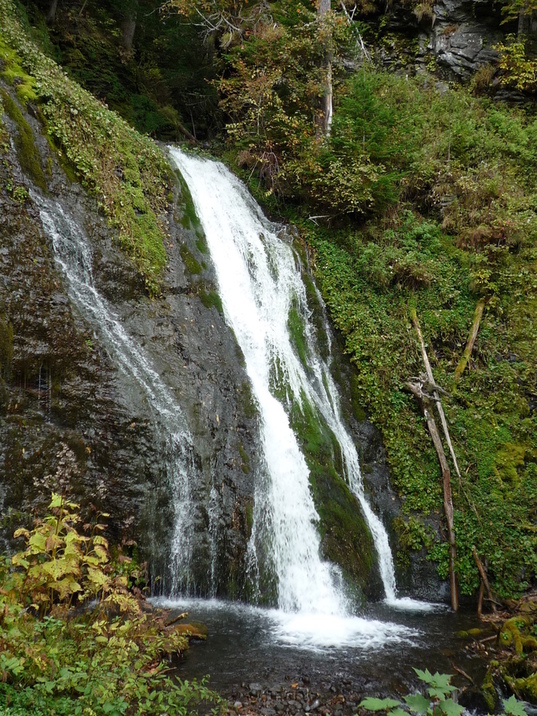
464 47
61 388
459 35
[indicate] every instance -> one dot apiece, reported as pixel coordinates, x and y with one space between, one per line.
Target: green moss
489 691
248 404
295 325
13 73
245 464
346 539
125 171
192 265
27 151
318 441
189 218
211 299
6 346
492 428
356 399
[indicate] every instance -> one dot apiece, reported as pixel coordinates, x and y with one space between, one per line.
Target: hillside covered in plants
401 140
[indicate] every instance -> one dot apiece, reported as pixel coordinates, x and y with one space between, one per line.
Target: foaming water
414 605
310 631
320 632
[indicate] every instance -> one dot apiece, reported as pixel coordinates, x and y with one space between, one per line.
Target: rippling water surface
374 651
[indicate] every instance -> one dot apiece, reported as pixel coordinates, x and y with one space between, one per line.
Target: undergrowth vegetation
438 699
452 220
76 636
424 200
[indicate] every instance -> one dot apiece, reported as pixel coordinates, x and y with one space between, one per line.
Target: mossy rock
525 688
191 264
345 536
6 346
27 151
512 633
488 690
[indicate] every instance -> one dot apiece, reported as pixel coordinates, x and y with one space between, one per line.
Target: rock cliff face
458 36
66 413
463 35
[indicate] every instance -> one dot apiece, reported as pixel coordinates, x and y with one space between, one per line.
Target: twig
319 216
463 673
176 619
436 395
471 340
446 474
484 577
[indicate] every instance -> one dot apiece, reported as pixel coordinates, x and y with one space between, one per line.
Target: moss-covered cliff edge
69 419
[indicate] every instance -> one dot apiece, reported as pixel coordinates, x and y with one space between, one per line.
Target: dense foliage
439 699
59 656
452 221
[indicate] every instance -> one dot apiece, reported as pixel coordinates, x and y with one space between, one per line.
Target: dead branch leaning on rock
459 370
427 399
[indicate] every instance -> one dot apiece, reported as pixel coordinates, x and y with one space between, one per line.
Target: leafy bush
439 700
60 655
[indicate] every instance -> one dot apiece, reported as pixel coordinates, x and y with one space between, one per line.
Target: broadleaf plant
439 700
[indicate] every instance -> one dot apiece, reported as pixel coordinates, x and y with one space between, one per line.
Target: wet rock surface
59 387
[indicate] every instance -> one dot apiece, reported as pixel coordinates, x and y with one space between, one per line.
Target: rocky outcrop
67 415
455 37
464 34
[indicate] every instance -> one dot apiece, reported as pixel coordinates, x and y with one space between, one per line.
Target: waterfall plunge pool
349 656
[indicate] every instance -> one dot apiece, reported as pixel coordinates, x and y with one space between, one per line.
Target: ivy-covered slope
453 222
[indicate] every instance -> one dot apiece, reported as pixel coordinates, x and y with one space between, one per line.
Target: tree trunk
128 28
327 91
51 14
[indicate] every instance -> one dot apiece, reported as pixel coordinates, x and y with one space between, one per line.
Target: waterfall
260 284
72 254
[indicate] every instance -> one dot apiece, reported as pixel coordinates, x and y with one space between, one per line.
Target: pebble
294 698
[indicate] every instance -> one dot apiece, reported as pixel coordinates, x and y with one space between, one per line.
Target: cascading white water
259 283
73 256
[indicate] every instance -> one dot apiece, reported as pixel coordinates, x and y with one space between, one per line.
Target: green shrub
106 660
